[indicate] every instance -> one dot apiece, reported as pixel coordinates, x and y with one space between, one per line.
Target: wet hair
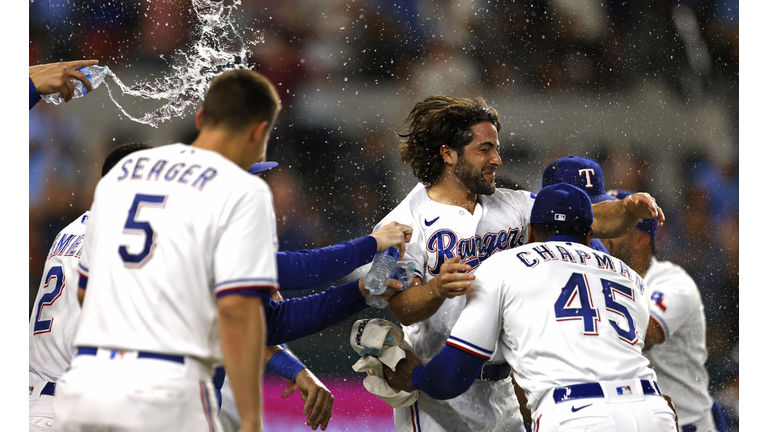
438 121
239 98
120 152
548 230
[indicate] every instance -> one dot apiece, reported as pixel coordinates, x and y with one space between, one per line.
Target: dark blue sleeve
597 245
449 374
315 267
296 318
34 97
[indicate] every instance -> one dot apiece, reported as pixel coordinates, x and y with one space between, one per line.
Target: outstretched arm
75 64
56 78
315 267
615 218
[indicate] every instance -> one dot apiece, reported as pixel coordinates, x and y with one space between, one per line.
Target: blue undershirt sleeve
597 245
34 96
448 374
310 268
296 318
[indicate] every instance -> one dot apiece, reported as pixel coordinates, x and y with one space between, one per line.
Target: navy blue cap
562 203
648 226
260 167
578 171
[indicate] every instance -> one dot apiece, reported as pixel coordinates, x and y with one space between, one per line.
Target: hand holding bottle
54 78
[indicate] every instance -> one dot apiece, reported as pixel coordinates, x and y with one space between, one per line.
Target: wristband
285 365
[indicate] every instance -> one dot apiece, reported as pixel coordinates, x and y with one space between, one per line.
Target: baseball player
457 212
568 319
583 173
178 263
56 311
675 342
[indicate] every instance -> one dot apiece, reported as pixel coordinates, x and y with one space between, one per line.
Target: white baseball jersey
562 314
440 232
679 361
56 309
172 228
54 318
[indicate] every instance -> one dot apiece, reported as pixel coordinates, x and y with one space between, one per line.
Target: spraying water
219 47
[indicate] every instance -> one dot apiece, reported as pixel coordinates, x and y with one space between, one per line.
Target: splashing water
218 48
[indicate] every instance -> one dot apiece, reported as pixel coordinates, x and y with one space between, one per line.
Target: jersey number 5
577 286
131 224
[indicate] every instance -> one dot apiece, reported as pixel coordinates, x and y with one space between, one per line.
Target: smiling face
476 166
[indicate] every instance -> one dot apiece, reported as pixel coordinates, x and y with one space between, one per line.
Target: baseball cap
562 203
578 171
260 167
648 226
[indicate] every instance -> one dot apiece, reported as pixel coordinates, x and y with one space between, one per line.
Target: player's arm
75 64
296 318
615 218
470 344
421 301
314 267
654 335
56 78
447 376
318 400
242 332
82 278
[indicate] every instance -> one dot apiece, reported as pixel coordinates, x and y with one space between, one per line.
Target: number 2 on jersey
578 287
131 224
45 326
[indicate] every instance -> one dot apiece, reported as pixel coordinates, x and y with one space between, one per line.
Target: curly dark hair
438 121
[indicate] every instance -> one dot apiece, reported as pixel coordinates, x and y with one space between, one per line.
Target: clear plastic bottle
377 279
403 273
95 74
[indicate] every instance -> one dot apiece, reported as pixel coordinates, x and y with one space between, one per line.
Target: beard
472 178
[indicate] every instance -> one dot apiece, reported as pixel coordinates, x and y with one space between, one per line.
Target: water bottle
95 74
377 279
403 273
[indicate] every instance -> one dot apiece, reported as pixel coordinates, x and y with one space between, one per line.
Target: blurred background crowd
648 88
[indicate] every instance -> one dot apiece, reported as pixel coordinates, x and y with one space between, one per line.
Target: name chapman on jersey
546 252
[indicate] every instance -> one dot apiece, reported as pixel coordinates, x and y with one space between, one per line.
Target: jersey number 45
577 287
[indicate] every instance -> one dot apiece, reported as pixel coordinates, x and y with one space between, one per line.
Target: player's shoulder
517 194
511 197
236 178
78 225
408 210
666 273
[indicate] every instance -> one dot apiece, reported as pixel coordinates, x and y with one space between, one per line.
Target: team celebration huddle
159 309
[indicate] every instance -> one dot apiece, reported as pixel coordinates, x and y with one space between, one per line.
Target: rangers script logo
445 244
